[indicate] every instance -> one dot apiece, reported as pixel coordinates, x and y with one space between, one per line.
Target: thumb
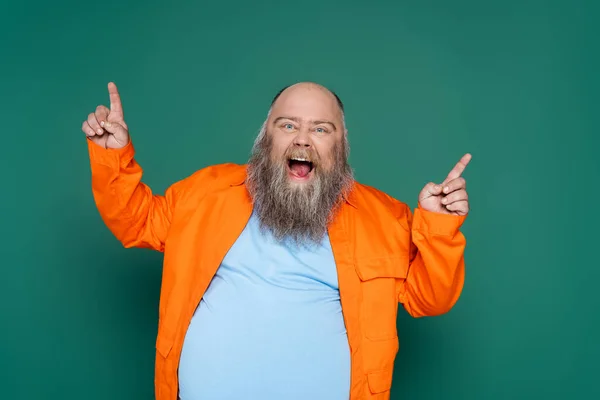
115 128
120 136
431 189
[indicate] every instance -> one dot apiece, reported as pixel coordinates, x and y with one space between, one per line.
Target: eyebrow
295 119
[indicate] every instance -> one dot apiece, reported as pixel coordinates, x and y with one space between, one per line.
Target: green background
513 82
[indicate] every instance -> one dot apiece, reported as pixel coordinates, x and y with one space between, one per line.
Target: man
281 277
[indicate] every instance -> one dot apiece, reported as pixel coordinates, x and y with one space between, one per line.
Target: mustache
302 153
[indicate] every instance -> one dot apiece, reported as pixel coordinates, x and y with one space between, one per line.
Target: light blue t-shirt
269 327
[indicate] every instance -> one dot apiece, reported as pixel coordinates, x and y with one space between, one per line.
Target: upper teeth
299 159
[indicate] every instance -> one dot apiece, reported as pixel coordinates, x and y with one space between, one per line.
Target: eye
288 126
320 129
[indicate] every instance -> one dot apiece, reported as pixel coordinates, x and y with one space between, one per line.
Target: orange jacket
384 256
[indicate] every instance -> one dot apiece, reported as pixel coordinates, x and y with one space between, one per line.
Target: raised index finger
458 168
115 100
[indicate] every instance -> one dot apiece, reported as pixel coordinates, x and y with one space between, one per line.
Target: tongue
300 169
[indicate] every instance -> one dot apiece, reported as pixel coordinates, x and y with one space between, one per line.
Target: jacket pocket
379 295
380 381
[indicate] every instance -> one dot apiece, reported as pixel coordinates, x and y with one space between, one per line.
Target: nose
302 139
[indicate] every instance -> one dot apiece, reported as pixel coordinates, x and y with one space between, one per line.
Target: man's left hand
450 196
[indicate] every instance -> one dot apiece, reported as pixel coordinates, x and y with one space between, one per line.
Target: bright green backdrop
513 82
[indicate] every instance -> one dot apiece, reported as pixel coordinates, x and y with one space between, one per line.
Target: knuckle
100 110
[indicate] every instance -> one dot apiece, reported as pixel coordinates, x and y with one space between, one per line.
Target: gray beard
301 213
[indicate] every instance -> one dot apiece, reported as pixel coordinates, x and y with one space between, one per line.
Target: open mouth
300 167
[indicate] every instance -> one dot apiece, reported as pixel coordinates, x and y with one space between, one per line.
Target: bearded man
282 277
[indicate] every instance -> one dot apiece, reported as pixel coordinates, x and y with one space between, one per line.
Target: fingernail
101 123
437 187
99 130
444 200
108 124
446 189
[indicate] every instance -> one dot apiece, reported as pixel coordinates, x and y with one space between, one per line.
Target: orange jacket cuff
111 157
437 223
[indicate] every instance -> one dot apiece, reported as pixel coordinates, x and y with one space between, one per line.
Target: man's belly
265 343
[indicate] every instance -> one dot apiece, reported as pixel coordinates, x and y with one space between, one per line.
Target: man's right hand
107 127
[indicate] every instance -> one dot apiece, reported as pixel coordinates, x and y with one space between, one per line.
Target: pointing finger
116 107
458 168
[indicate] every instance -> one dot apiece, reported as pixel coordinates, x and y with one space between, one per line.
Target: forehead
307 102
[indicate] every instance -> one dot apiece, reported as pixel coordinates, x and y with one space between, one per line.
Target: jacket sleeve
436 271
136 216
